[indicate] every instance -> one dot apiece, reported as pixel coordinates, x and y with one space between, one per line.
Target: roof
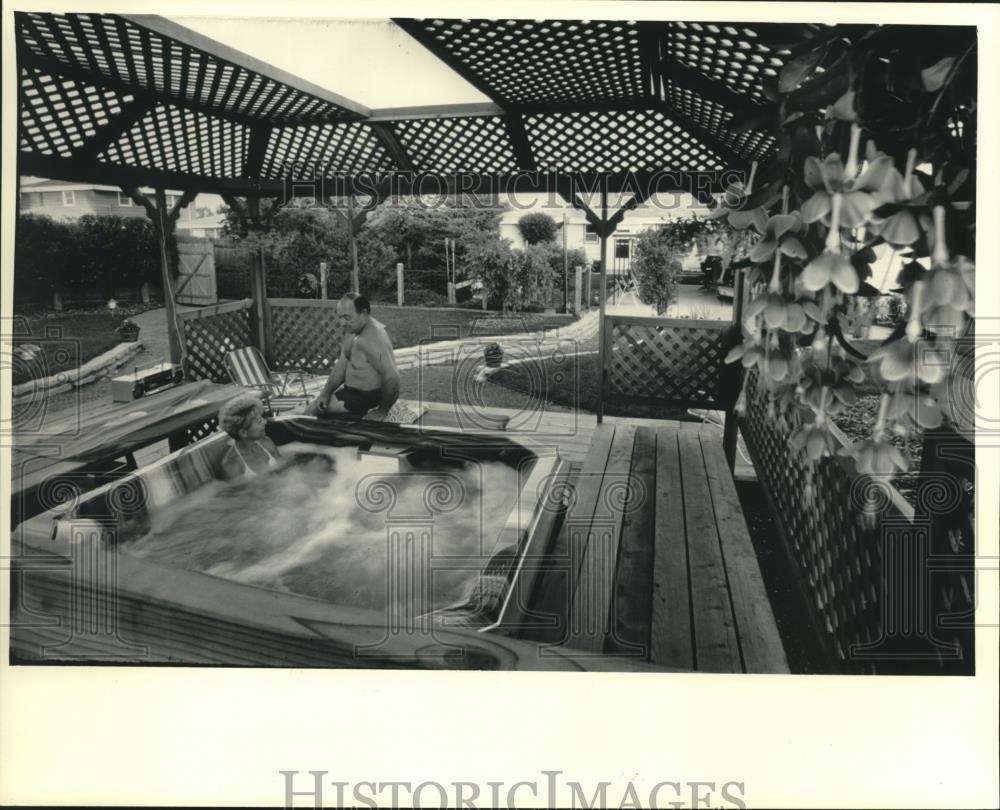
141 100
61 185
211 221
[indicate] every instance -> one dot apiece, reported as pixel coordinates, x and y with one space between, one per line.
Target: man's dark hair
361 304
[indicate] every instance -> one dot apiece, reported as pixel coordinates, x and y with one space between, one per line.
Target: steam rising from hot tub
302 529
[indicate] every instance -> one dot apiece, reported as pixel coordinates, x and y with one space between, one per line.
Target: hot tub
369 544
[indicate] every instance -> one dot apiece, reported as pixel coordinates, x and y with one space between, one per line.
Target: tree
537 228
655 268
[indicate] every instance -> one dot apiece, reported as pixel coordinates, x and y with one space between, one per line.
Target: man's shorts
358 402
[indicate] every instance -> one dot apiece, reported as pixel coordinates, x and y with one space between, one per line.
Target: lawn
47 344
563 383
408 326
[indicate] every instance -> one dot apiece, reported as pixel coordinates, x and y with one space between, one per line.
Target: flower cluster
810 262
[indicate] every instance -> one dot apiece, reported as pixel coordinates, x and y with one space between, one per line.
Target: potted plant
493 355
128 330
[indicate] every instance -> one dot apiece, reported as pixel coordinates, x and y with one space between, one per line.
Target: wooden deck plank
756 628
671 637
716 646
590 610
632 605
555 584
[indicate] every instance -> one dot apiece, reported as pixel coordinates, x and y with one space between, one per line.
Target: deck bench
654 561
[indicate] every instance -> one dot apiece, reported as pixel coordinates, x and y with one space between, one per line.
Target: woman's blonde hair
233 414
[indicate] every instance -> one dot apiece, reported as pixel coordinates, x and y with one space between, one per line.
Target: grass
574 382
408 326
45 344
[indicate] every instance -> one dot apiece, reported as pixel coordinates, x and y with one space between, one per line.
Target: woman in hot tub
251 451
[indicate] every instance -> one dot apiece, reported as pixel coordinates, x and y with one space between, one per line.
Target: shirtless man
365 376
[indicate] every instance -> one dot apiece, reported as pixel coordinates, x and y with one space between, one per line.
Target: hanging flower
733 206
779 235
815 438
831 266
899 196
909 363
914 410
876 456
832 177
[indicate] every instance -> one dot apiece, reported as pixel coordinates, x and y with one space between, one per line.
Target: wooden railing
861 554
660 360
209 333
302 333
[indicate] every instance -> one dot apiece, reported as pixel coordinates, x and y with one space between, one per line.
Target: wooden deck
653 561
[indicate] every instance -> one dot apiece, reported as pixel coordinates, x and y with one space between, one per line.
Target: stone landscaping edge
91 371
448 352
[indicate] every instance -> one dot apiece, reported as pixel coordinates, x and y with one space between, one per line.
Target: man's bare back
368 355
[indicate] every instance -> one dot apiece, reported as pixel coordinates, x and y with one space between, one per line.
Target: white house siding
652 214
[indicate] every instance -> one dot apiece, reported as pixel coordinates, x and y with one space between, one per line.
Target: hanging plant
886 160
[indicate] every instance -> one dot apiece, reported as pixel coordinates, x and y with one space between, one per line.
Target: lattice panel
838 557
58 114
305 337
673 363
457 144
176 139
616 141
112 49
330 147
195 433
730 54
208 340
543 61
714 117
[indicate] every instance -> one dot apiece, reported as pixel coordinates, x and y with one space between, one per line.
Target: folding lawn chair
248 369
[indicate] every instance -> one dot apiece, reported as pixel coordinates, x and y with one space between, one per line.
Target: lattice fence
839 528
211 333
674 361
303 334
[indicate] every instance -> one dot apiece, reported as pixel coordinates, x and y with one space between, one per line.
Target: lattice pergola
141 101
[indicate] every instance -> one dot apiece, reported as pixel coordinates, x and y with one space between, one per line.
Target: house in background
208 227
654 213
63 200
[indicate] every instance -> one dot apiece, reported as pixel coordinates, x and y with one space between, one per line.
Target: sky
373 62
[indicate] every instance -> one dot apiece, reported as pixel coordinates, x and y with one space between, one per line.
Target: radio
145 380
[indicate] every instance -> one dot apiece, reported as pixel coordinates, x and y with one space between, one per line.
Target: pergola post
164 227
258 288
730 432
604 233
565 296
351 235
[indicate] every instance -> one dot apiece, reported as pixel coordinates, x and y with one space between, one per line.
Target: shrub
493 265
537 228
43 252
95 252
655 267
418 296
115 252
